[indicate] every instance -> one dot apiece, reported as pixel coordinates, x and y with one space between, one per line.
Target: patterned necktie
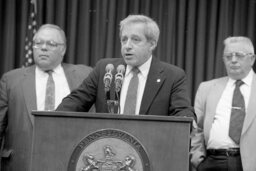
50 93
131 97
237 114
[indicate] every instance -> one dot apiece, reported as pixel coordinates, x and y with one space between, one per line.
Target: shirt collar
144 68
56 70
247 80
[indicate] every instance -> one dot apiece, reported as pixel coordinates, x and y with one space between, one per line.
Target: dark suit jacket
17 100
165 91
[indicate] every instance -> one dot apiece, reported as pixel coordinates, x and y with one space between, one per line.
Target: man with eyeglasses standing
225 107
39 87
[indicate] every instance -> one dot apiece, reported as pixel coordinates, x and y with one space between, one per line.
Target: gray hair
240 39
52 26
151 28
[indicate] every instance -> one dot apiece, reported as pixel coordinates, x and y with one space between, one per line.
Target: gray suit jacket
17 100
206 101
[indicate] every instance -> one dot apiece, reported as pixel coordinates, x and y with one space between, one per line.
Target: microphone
119 77
108 77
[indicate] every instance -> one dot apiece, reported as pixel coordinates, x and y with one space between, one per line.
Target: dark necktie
237 114
131 97
50 93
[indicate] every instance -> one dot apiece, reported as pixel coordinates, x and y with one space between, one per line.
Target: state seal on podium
109 150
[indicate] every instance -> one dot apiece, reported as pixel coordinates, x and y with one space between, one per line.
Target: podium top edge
110 116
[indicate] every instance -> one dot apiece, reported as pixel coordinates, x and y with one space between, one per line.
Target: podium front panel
166 140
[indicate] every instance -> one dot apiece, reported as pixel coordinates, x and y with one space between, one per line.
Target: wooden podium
63 140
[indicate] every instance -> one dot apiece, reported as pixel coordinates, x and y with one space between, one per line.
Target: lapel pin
158 80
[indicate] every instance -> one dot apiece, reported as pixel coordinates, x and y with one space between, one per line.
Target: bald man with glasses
41 86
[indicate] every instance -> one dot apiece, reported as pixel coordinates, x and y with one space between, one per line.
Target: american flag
30 31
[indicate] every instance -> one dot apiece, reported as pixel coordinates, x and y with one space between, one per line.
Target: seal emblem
109 150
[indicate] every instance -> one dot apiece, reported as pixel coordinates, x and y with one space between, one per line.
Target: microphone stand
118 86
112 104
117 99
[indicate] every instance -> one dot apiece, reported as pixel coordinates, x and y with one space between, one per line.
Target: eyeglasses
238 55
51 45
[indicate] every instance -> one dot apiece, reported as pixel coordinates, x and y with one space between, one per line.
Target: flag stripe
30 31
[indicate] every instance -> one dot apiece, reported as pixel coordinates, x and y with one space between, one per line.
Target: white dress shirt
61 86
143 74
219 138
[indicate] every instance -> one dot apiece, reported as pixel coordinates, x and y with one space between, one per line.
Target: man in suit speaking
148 86
38 87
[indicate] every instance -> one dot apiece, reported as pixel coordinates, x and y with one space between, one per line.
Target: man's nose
128 44
44 46
234 57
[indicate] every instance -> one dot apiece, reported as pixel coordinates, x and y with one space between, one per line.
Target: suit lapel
30 91
155 80
71 77
250 114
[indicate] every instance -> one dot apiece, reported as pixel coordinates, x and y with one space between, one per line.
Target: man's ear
253 59
63 50
153 45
